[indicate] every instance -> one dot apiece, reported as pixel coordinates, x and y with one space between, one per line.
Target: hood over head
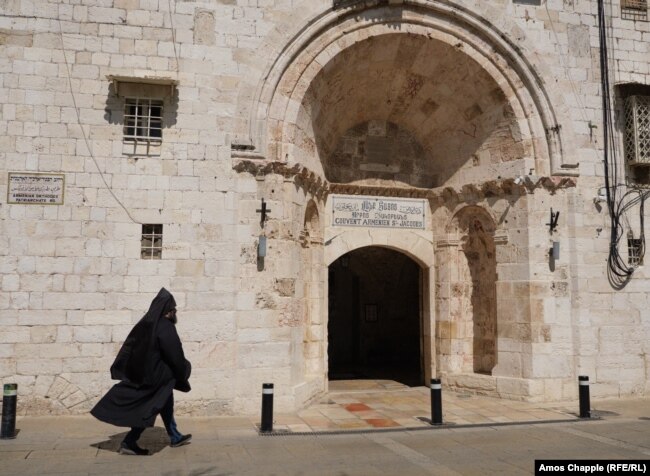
132 362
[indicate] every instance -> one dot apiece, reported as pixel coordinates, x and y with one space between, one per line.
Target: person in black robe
150 365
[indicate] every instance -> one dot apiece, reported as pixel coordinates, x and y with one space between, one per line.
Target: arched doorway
408 100
375 326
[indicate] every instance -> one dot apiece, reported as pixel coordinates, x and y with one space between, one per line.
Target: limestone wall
72 280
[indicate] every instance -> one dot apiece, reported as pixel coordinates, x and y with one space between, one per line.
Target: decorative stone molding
306 240
246 151
501 237
447 243
357 3
320 187
302 176
303 238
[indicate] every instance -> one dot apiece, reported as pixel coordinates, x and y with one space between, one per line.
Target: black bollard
583 388
436 401
9 397
267 408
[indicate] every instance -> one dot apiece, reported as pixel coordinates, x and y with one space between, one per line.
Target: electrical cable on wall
83 131
620 200
565 66
173 31
76 108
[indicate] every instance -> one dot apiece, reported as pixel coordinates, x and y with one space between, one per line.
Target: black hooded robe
150 364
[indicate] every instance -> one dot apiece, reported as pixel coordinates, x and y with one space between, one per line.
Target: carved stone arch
458 221
277 97
411 244
419 250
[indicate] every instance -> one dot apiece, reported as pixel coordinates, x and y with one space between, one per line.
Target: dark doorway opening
374 328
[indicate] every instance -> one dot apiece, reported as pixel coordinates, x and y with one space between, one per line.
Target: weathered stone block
91 334
264 355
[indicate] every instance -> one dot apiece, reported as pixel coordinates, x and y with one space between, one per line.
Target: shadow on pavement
154 439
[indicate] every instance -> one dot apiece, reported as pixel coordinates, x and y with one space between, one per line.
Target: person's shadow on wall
154 439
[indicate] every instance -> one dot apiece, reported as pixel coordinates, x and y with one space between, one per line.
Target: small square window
143 125
635 251
634 9
151 243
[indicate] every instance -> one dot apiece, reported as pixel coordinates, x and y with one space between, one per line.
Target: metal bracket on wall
552 224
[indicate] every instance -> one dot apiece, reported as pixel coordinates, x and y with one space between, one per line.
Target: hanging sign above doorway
378 212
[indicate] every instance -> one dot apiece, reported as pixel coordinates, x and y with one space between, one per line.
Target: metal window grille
637 130
143 120
634 9
151 244
635 251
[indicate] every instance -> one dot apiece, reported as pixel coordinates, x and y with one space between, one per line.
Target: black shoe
132 449
183 440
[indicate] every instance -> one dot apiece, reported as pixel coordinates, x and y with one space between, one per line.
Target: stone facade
490 111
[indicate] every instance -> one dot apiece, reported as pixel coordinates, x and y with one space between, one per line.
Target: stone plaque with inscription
27 188
378 212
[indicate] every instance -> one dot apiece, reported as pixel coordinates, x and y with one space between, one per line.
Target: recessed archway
467 304
278 97
406 110
375 317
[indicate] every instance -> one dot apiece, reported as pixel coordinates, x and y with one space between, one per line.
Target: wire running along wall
621 198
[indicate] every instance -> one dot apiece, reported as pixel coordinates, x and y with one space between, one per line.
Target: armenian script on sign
378 212
35 188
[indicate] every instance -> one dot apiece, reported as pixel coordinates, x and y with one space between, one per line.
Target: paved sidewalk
368 404
473 442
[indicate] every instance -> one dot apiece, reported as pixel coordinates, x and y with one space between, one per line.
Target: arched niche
312 232
313 281
402 110
466 304
278 99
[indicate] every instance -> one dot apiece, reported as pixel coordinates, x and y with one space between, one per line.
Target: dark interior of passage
374 329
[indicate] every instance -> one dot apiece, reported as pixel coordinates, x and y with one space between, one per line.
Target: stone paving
368 404
482 435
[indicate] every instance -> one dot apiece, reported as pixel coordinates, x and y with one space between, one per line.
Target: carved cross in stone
263 211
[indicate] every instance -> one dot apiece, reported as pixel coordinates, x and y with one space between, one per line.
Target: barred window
634 9
143 119
637 135
635 251
151 243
